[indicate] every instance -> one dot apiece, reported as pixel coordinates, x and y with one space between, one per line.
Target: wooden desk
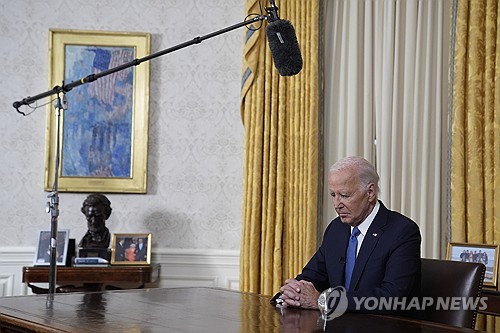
184 310
92 278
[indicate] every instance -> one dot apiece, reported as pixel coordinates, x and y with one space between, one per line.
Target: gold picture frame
486 254
131 249
104 131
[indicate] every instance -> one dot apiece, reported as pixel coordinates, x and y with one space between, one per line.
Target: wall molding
179 268
195 267
197 257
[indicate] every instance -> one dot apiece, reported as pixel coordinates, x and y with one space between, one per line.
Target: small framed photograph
42 256
485 254
131 249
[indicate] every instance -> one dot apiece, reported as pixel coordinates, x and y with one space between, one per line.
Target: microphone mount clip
272 12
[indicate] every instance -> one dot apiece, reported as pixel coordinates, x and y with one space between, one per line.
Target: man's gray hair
366 171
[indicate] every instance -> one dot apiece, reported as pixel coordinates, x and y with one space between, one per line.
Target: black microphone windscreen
284 47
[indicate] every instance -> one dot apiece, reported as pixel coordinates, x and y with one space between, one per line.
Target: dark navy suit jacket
387 265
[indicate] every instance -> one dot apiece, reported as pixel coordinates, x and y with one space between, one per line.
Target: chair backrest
452 279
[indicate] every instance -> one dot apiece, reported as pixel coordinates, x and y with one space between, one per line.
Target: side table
71 279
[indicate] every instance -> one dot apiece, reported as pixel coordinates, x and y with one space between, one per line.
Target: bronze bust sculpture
97 209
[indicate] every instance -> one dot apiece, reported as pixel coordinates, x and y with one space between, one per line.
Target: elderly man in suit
141 250
369 249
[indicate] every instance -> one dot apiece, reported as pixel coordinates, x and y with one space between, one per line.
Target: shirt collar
367 222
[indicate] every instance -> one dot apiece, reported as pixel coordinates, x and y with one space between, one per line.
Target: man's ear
372 193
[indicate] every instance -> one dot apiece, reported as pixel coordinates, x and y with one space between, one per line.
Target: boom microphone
283 43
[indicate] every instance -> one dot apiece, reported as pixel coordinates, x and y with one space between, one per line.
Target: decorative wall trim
9 255
6 284
195 267
179 268
197 257
12 260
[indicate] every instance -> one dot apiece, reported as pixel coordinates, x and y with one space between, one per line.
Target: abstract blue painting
97 126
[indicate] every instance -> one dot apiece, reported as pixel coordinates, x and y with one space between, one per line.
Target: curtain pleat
475 150
281 116
386 101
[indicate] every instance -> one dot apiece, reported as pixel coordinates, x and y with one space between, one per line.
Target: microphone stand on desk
53 205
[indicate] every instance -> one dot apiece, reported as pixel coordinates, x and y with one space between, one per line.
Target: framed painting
42 256
104 129
131 249
485 254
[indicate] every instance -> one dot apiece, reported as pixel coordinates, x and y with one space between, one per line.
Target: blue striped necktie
351 256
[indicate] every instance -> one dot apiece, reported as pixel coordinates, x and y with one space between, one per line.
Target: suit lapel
369 243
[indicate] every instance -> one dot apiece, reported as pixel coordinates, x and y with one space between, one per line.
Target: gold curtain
281 172
475 155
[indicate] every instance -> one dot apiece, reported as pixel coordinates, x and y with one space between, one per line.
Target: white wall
193 204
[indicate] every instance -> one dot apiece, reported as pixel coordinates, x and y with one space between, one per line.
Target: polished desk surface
184 310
